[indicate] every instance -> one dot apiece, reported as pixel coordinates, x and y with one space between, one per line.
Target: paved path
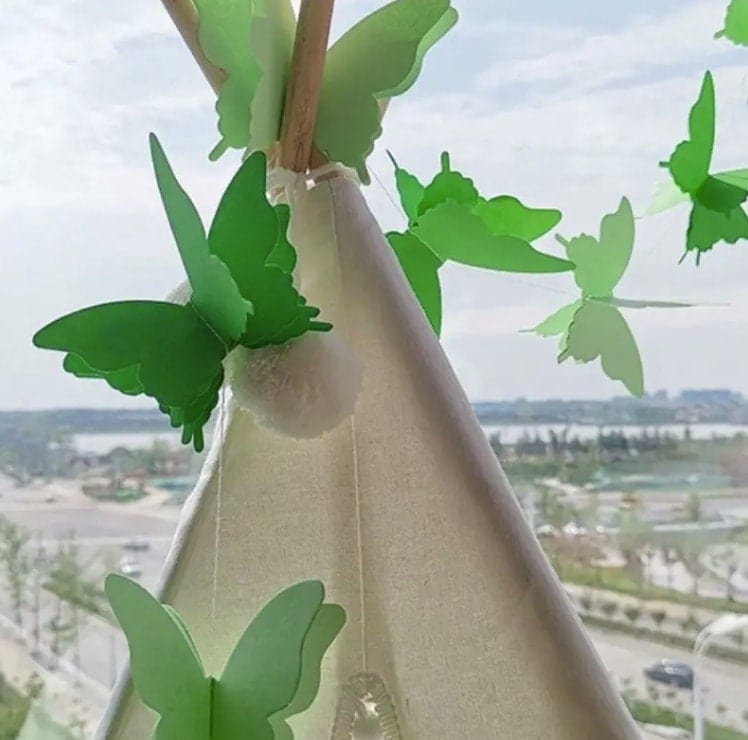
68 693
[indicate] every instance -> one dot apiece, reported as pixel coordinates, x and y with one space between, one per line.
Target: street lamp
723 625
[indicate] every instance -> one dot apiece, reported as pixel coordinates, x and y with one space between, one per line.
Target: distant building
711 396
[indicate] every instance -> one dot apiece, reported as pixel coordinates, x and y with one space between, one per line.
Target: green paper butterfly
242 294
449 220
716 213
736 23
593 326
379 58
273 673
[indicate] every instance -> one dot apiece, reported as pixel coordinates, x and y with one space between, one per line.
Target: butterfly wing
421 268
507 215
452 231
558 323
251 42
707 227
195 416
249 236
272 34
163 350
164 666
635 303
214 292
263 673
738 178
283 254
125 381
380 57
600 263
599 330
448 184
409 188
689 163
667 195
325 628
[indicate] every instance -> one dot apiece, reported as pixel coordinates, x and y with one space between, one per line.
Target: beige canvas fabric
405 515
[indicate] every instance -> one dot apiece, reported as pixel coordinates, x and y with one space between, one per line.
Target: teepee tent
456 625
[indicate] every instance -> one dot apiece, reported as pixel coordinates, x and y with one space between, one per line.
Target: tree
633 536
632 614
77 595
690 624
689 553
609 608
658 616
15 564
693 507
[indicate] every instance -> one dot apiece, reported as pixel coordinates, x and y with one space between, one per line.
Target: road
725 683
102 530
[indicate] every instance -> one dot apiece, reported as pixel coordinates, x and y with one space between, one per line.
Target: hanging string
347 172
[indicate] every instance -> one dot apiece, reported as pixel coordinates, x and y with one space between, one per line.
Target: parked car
137 543
673 672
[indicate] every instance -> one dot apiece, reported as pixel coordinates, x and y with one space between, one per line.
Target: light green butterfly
449 220
593 326
272 674
379 58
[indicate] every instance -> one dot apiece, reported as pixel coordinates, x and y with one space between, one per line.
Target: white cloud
575 127
646 45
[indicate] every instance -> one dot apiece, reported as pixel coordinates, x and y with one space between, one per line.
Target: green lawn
643 711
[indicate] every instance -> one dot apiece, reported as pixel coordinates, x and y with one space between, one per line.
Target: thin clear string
219 503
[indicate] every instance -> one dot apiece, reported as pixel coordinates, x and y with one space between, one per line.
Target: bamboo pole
304 85
184 16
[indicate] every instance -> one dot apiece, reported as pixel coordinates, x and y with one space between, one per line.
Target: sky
566 105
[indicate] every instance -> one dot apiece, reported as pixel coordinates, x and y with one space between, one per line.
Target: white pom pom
181 294
302 388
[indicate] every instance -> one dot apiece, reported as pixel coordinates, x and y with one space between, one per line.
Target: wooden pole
184 16
304 84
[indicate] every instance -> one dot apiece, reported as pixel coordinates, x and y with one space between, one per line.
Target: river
102 443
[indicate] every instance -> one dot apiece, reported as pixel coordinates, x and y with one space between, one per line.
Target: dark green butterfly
716 213
242 294
593 326
449 220
272 674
